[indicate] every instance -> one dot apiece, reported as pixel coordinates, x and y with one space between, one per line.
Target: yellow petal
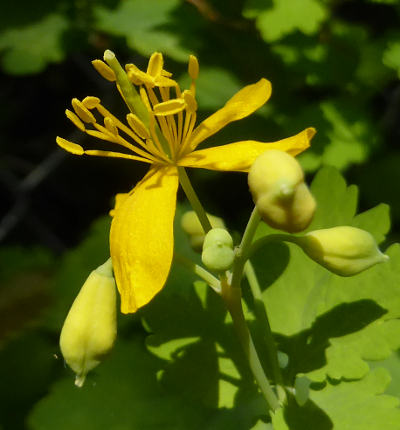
141 237
119 199
239 156
242 104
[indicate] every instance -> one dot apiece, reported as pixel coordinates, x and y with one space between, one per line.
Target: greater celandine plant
160 130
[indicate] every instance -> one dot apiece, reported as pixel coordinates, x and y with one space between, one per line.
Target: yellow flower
161 131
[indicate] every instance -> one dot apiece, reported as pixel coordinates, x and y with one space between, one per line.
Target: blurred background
333 64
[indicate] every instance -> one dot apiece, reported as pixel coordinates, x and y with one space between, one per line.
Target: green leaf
145 24
391 55
30 48
286 17
122 394
354 405
392 365
375 220
345 134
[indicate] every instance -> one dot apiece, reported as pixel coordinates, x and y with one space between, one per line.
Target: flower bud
343 250
218 251
90 328
191 226
283 200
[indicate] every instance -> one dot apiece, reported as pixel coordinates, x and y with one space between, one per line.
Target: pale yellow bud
90 328
283 200
218 251
191 226
343 250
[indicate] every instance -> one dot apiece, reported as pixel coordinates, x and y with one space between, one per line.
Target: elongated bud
343 250
191 226
218 251
90 328
283 200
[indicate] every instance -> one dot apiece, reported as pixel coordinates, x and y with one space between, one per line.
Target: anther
84 114
71 147
105 71
137 126
90 102
75 120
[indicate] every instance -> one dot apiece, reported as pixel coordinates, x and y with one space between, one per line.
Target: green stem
193 199
232 299
265 328
243 248
271 238
211 280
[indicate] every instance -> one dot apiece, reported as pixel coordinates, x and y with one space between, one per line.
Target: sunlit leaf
144 23
286 17
30 48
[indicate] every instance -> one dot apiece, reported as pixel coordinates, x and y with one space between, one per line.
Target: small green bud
283 200
191 226
343 250
90 328
218 253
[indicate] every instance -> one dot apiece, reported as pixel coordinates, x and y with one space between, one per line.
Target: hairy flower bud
90 328
283 200
218 251
343 250
191 226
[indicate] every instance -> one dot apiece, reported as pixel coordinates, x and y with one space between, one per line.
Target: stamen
131 73
90 102
193 67
71 147
102 135
137 126
145 99
169 107
106 135
191 103
112 154
155 65
105 71
187 133
75 120
110 126
84 114
163 123
165 73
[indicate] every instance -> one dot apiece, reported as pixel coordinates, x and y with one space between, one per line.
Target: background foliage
334 65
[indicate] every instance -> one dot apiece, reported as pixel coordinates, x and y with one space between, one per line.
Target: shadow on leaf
307 349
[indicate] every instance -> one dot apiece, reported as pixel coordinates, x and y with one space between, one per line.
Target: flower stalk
233 301
193 199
